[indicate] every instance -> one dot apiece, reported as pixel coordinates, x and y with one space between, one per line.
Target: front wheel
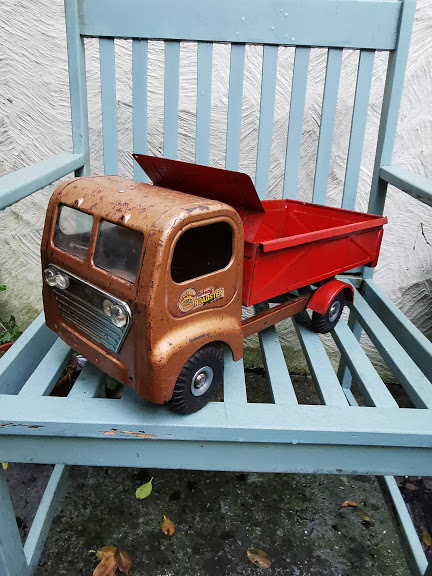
198 381
323 323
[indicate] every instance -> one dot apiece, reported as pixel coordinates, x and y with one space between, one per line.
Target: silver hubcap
202 380
334 311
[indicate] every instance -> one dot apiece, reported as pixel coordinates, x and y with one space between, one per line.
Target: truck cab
139 278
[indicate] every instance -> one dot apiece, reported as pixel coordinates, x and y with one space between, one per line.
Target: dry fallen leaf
259 558
122 559
144 490
112 558
410 486
107 566
348 503
363 516
426 537
5 465
168 527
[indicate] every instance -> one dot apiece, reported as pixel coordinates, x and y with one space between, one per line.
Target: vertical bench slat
390 109
324 377
17 365
89 384
358 126
234 380
235 98
276 369
12 559
295 123
204 78
370 384
139 103
109 104
328 114
54 492
171 99
77 85
416 385
265 130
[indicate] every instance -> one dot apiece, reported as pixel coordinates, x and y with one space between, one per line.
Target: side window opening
202 250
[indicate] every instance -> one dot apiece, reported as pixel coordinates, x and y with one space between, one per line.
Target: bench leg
12 558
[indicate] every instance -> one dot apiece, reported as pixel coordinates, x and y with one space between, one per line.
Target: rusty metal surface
162 336
233 188
269 317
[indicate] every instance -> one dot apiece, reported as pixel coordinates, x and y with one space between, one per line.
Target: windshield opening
72 231
118 250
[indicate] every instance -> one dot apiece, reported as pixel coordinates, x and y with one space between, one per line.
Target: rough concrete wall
35 124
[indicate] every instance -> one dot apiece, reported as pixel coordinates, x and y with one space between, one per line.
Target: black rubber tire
321 322
182 400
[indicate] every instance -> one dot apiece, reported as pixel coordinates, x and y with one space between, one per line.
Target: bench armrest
417 186
22 183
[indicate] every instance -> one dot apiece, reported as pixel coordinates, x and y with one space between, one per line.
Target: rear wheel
198 381
323 323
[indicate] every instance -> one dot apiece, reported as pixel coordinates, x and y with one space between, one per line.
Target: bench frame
282 436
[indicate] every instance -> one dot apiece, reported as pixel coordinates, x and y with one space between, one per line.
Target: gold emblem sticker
186 300
190 299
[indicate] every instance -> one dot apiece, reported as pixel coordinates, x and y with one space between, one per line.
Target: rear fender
325 294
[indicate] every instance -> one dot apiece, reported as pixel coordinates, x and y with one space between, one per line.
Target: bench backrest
365 25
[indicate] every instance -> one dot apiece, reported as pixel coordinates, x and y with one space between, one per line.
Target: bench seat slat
234 380
324 377
18 364
408 335
416 385
370 384
43 379
282 390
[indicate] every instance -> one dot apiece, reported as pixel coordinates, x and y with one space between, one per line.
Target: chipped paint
139 434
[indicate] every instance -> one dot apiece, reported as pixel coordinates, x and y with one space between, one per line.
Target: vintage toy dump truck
148 281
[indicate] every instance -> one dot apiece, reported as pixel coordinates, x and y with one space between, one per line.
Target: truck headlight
107 307
118 316
62 281
54 278
50 277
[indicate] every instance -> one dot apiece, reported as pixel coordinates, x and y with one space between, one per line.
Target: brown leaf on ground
410 486
364 517
168 527
348 503
112 558
259 558
107 566
122 559
426 537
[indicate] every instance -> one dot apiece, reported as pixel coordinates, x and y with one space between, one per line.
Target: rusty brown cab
179 293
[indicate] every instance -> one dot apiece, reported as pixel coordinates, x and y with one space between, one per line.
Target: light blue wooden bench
282 436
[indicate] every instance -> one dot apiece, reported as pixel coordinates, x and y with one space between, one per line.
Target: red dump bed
299 243
288 244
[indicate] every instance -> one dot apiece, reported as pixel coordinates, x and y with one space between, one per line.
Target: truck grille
81 305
